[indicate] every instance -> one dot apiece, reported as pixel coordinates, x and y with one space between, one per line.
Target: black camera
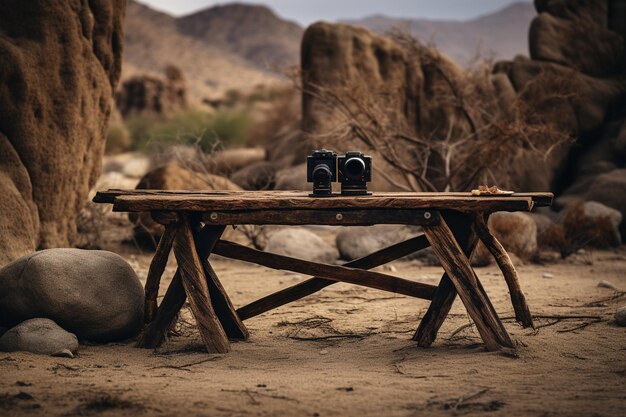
355 171
321 170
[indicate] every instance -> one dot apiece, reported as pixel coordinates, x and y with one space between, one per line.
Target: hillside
154 39
500 35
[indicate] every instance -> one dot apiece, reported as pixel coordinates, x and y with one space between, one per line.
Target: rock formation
147 94
60 64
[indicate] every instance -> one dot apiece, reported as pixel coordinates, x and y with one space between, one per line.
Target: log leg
197 290
457 266
174 299
522 312
446 292
232 324
157 266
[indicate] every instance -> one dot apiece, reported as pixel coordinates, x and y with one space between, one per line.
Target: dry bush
467 138
578 231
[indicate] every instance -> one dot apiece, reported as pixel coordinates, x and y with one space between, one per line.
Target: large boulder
357 242
578 42
257 176
41 336
172 176
301 243
94 294
517 232
60 64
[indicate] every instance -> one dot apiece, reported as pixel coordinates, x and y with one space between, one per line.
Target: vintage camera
355 171
321 170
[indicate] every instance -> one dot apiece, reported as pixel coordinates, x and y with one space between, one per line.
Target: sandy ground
346 351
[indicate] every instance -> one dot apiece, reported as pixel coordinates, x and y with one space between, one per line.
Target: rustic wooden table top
160 200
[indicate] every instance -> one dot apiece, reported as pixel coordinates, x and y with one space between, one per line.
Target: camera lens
321 173
354 168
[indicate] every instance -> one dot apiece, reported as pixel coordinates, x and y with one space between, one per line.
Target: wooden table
452 223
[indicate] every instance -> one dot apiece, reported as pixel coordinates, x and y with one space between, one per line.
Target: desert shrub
228 127
118 138
577 231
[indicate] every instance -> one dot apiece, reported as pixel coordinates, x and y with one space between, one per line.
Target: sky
306 12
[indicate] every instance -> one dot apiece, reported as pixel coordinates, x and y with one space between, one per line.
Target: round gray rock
41 336
303 244
620 316
94 294
357 242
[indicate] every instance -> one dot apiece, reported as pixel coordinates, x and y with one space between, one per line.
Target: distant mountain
251 31
499 35
219 48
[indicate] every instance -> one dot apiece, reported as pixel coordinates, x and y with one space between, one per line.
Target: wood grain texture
522 311
197 290
315 284
333 217
337 273
460 272
157 266
540 199
154 334
461 226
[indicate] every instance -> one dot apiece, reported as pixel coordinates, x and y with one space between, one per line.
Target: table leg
522 312
445 295
457 266
157 266
174 299
197 289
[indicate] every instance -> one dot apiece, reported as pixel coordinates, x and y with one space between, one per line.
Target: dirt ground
346 351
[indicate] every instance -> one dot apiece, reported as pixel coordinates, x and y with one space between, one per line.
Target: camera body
321 170
354 172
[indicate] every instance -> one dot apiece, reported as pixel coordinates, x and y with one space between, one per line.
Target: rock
258 176
65 353
620 316
172 177
606 284
543 223
293 178
596 11
148 94
577 43
41 336
231 160
547 275
357 242
60 64
517 232
301 243
594 213
94 294
136 167
607 188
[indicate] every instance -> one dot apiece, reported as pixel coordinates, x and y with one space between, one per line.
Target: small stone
324 352
606 284
620 316
23 384
41 336
547 275
65 353
24 396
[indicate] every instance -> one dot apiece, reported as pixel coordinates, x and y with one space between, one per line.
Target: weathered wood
108 196
461 226
157 266
459 270
323 217
232 324
278 201
197 290
175 297
522 312
336 273
313 285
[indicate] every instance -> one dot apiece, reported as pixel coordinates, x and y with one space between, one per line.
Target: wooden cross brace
452 235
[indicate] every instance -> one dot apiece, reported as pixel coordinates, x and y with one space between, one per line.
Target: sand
346 351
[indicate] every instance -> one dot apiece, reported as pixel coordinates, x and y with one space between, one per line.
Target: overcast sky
308 11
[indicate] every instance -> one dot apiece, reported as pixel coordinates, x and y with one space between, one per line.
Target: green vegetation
228 127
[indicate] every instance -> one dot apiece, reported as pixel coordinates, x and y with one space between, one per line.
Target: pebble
324 352
65 353
620 316
548 275
606 284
